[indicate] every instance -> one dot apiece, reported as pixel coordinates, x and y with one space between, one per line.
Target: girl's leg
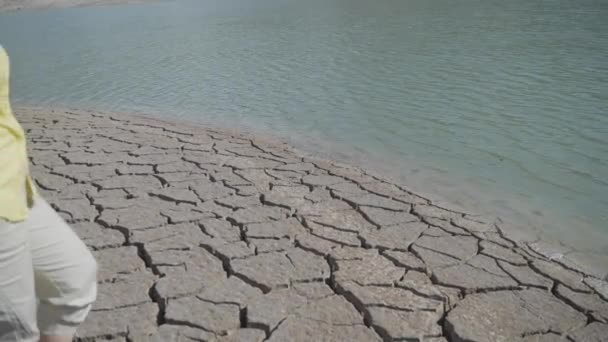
17 296
65 274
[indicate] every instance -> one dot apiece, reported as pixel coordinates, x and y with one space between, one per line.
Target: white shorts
47 277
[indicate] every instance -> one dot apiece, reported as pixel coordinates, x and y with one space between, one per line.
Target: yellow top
16 188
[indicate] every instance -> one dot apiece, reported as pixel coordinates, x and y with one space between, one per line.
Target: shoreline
586 240
522 190
22 5
520 230
254 216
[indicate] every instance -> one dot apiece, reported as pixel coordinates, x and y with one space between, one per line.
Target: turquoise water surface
497 106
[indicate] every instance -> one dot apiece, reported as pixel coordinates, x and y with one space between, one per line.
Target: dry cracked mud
210 235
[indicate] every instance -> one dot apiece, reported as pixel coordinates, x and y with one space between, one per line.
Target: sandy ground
203 234
13 5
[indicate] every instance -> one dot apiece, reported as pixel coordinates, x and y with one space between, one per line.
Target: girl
47 274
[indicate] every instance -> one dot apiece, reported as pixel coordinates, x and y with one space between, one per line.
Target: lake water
497 106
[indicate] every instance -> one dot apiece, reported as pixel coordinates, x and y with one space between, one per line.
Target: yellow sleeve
16 189
4 90
7 120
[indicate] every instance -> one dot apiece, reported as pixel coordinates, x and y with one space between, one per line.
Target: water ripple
500 103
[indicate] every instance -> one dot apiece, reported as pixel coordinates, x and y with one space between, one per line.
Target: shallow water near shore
495 107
